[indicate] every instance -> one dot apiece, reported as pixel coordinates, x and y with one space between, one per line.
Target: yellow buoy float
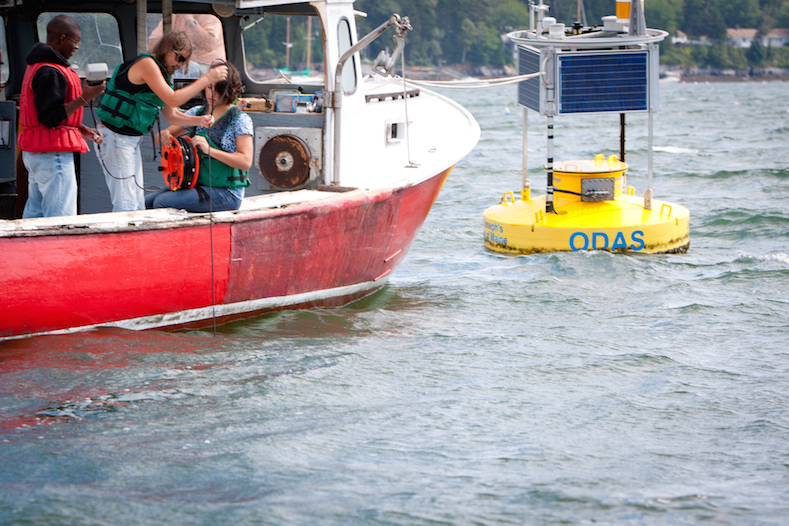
607 69
594 210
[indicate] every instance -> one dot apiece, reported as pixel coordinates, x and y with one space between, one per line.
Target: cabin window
3 54
205 32
100 41
349 68
280 45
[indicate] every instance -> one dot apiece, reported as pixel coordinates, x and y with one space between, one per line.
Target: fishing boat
345 172
607 69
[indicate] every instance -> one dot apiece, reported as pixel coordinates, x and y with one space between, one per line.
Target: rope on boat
474 83
411 164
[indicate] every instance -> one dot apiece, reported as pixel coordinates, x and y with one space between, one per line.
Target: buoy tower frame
612 68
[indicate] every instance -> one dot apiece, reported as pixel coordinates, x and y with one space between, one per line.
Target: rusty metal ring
285 161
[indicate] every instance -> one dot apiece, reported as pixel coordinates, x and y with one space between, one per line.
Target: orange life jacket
35 137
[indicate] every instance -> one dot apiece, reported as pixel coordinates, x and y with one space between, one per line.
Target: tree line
470 31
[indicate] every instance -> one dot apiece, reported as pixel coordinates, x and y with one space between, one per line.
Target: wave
740 224
779 257
675 149
720 175
781 174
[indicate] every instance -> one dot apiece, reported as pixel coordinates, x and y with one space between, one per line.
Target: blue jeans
121 161
221 199
51 184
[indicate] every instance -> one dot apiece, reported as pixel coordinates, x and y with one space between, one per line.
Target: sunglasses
180 59
76 42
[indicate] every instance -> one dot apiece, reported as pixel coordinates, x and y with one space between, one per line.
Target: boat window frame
349 77
81 67
275 78
5 68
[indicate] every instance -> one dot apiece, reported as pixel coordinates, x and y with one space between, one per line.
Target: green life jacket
121 109
222 175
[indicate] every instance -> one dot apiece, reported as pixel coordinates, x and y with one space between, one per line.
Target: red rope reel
180 165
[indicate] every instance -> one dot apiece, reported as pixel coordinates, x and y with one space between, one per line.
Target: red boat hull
319 253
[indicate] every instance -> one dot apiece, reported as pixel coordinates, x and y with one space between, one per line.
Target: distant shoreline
447 73
734 78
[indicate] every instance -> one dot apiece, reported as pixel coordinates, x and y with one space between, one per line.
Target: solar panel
529 90
603 82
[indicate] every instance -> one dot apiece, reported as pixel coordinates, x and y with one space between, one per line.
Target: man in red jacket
50 112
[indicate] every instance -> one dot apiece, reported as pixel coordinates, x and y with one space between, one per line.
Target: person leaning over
50 114
205 33
137 91
225 152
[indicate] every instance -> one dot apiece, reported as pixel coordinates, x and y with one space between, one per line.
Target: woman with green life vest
137 91
224 149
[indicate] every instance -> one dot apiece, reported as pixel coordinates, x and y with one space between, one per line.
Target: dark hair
61 25
233 84
177 41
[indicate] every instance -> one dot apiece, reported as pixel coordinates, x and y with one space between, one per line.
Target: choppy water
475 388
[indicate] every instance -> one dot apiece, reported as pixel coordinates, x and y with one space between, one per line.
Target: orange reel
180 164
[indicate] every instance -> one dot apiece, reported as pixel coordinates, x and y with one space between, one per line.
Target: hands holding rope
217 73
198 141
201 144
90 92
164 136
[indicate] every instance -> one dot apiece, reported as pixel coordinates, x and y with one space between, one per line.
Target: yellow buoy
588 204
594 210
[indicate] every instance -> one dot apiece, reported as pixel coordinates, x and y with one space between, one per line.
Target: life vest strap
115 112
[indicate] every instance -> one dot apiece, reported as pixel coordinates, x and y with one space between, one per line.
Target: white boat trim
171 319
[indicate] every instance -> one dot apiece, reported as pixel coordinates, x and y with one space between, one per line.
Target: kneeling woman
227 143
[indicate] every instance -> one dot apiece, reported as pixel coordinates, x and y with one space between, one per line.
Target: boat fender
180 165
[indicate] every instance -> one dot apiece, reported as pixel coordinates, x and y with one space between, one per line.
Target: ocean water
475 388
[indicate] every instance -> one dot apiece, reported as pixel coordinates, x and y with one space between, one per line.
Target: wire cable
474 83
211 108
